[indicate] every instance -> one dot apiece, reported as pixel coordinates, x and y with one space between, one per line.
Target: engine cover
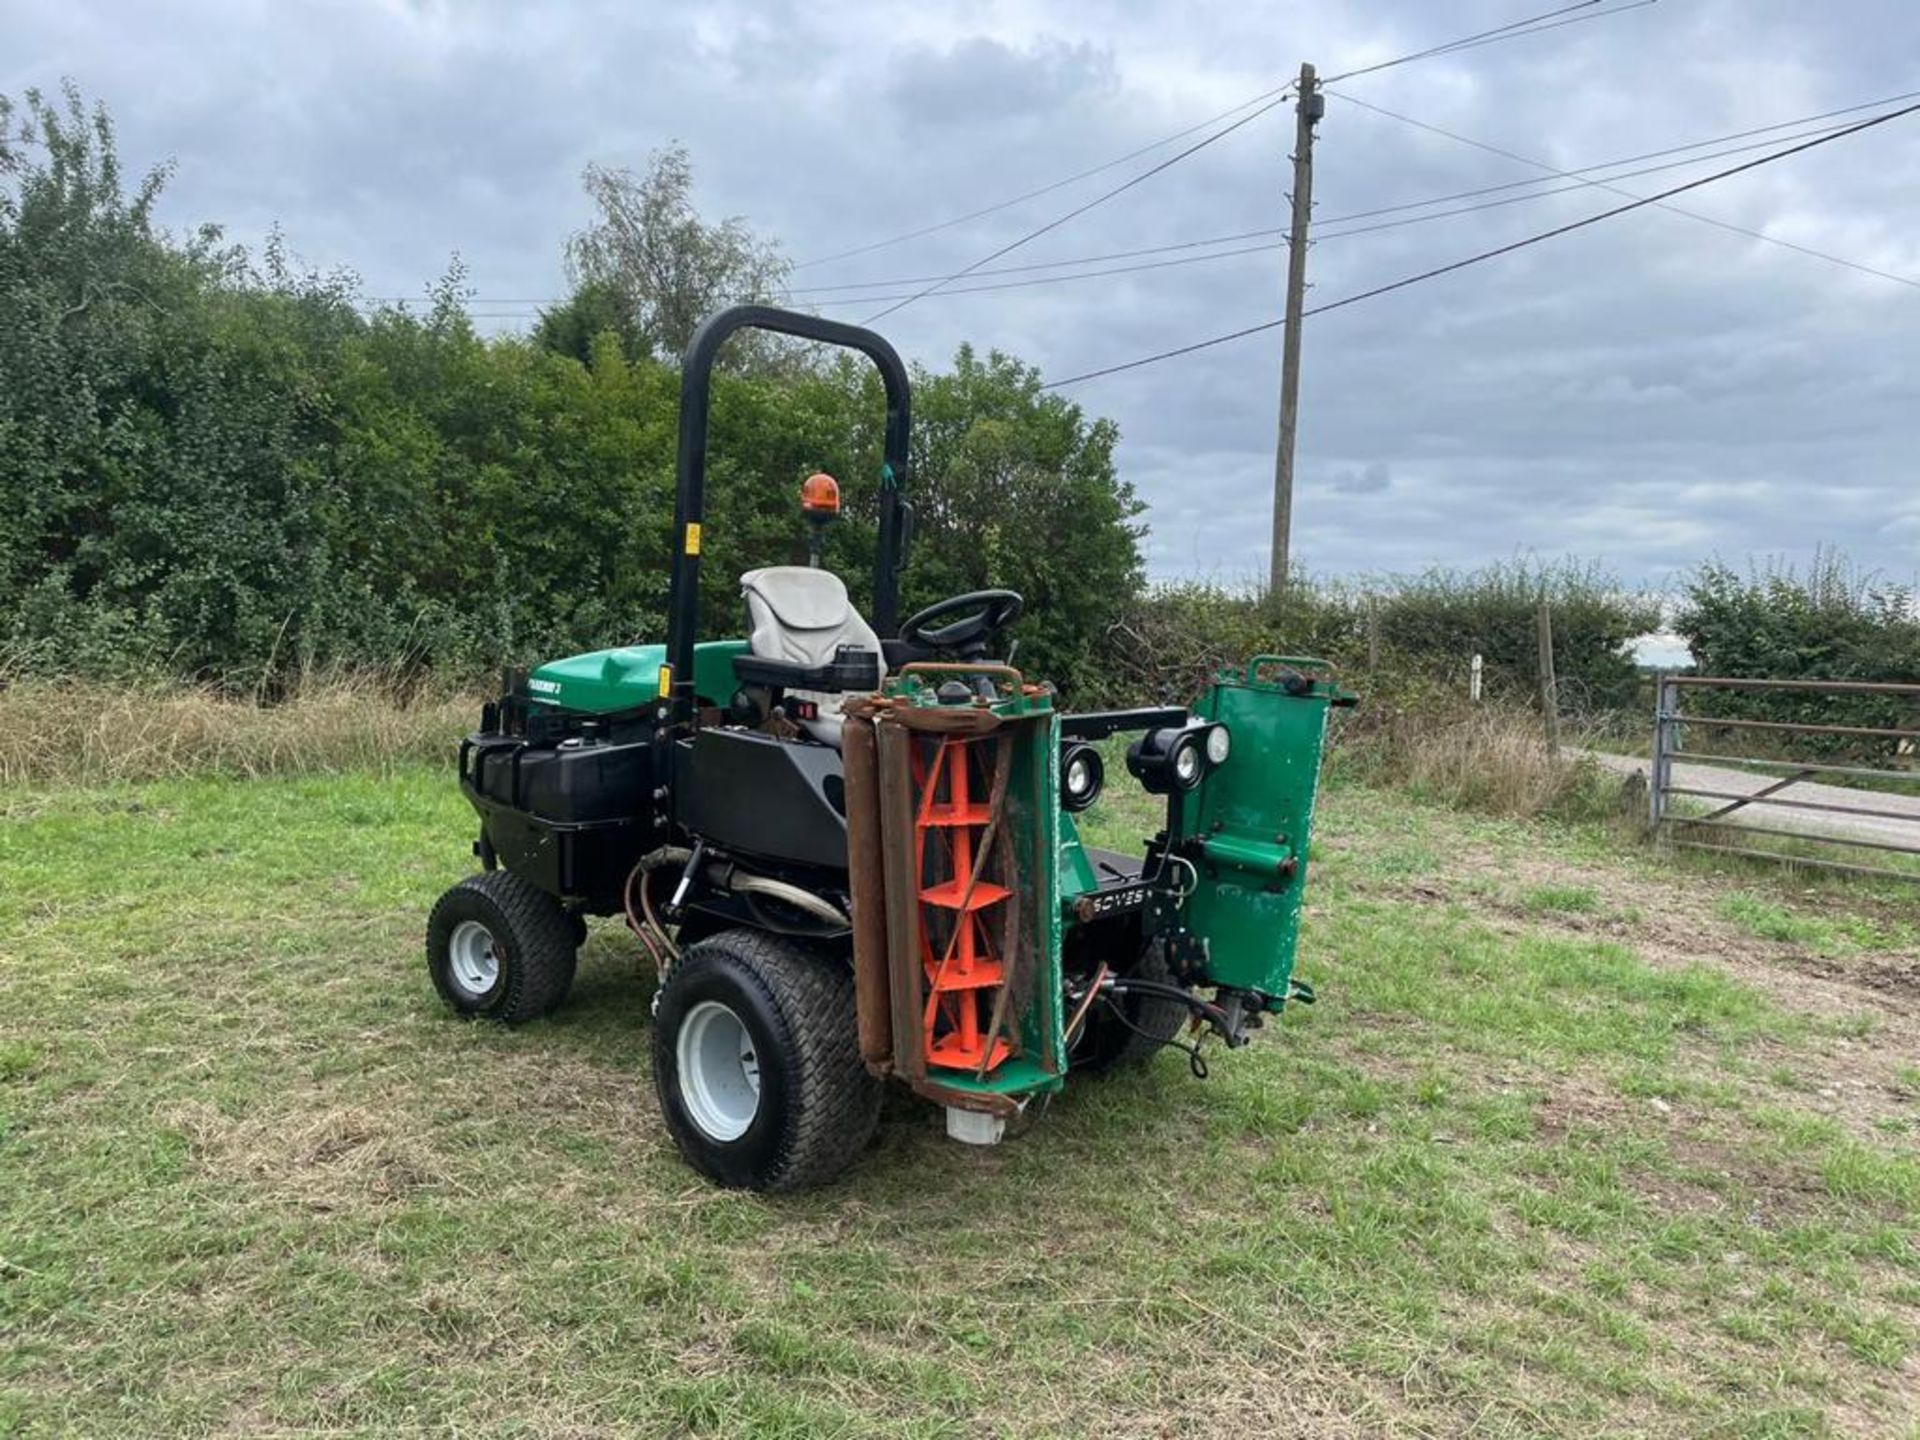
760 795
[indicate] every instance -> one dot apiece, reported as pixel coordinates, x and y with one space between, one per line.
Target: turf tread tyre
533 939
819 1104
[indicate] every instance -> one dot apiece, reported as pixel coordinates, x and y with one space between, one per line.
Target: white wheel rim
472 963
719 1071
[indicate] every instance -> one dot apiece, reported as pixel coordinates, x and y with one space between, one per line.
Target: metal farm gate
1830 801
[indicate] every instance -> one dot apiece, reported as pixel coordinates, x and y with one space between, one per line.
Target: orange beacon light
820 495
820 504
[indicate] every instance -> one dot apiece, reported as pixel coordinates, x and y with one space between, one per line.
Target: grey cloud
985 78
1373 478
1649 391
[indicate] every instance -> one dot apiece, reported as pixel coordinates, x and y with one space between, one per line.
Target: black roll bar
689 503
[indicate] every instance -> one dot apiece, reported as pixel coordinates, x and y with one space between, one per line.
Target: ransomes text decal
1114 902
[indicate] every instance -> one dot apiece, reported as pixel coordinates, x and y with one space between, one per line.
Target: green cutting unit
852 850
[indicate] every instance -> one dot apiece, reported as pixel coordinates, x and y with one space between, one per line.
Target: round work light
1188 760
1219 745
1082 774
1170 759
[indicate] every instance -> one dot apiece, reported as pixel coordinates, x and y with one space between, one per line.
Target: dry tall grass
88 732
1487 758
1490 758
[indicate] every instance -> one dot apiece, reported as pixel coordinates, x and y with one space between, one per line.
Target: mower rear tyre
756 1060
1150 1022
500 947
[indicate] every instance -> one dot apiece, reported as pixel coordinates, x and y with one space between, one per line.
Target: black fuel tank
571 782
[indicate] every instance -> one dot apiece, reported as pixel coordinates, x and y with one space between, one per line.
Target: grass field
1573 1144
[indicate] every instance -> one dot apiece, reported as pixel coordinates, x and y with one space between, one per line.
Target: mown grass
1509 1177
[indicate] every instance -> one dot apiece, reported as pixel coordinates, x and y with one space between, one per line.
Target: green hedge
224 470
1830 623
215 467
1423 628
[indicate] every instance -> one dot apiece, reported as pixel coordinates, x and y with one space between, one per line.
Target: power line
1333 220
1280 244
827 295
1574 174
819 297
1028 269
1511 30
830 295
1076 212
1718 224
1577 184
1508 249
1057 279
1551 173
1604 165
1278 92
1499 32
1495 37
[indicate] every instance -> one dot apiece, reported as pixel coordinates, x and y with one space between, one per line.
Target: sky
1648 393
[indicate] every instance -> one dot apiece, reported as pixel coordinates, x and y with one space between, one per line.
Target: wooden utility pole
1307 110
1549 688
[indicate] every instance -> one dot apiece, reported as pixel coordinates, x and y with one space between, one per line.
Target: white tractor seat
802 616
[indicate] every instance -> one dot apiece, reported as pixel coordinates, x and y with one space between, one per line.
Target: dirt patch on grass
1674 925
1895 977
1578 1102
1670 923
1773 1192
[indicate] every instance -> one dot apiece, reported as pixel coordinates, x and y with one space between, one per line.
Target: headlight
1082 773
1186 765
1167 760
1219 745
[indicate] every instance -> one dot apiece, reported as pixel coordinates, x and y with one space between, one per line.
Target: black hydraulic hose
1196 1062
1124 984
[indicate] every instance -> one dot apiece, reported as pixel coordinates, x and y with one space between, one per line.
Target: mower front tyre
500 947
756 1060
1130 1030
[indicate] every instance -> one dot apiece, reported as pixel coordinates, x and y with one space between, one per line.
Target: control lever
679 897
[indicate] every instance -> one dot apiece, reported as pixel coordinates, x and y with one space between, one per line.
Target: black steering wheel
981 613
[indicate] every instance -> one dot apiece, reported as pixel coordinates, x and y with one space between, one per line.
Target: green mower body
604 682
854 855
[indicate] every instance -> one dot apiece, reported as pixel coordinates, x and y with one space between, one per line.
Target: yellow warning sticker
666 682
693 539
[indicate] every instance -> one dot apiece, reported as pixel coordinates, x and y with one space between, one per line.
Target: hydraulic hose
791 895
1123 984
643 872
727 876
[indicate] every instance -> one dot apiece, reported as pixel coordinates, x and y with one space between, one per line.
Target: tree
596 308
650 269
1831 623
1016 488
221 468
1011 487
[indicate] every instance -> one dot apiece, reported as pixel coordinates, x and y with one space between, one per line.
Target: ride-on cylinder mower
852 850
